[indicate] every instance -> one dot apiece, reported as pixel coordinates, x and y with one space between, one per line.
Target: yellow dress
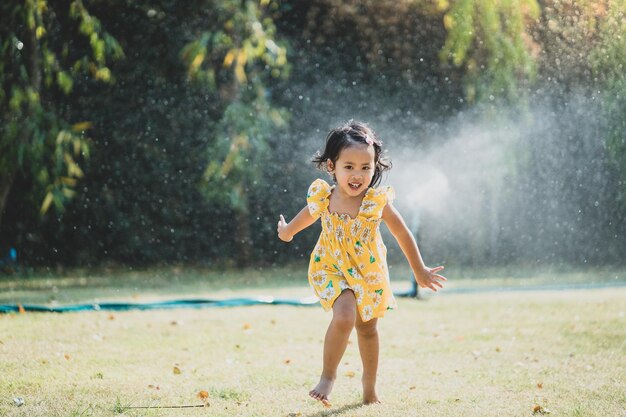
350 253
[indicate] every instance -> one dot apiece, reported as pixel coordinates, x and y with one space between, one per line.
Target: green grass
453 355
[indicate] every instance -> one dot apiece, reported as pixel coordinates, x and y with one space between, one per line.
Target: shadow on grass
332 412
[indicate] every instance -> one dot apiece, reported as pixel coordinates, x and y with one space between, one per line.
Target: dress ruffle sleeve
375 201
390 193
317 197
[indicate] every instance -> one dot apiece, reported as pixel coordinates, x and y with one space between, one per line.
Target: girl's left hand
429 278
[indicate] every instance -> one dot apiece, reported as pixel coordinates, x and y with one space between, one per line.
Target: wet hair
350 134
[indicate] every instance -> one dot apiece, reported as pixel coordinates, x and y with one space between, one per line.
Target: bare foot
322 391
371 398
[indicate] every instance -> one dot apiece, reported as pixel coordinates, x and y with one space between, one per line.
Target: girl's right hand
282 233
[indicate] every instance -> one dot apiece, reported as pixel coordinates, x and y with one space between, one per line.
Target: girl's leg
344 316
368 347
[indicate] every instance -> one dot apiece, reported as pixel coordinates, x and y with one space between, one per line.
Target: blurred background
147 133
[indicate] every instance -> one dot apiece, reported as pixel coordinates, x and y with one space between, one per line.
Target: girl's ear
330 165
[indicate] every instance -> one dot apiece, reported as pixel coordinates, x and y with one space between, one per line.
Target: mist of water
498 185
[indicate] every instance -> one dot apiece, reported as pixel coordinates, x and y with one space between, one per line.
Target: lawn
478 354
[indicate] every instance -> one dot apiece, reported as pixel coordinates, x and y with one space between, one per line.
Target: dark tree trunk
5 186
243 238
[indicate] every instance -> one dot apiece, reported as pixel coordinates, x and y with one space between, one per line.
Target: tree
607 61
490 39
39 64
239 56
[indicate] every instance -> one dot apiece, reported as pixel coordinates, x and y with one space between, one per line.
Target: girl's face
354 169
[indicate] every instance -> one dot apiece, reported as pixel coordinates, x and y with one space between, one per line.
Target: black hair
349 134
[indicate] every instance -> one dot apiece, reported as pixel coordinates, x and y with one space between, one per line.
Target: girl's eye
348 167
366 168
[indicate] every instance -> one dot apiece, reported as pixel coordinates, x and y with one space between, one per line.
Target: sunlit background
175 133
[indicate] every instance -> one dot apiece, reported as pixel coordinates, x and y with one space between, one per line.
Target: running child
348 266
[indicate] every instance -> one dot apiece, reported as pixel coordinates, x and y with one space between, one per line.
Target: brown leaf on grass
412 387
67 356
111 317
539 385
287 361
204 397
246 326
497 348
350 374
176 370
20 309
537 409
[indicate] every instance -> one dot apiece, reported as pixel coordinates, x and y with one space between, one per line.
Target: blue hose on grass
184 303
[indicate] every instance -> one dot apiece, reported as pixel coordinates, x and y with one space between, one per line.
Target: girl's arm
286 231
426 277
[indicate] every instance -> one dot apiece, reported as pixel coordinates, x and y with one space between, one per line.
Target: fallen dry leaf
537 409
412 387
176 370
350 374
111 317
67 356
246 326
287 361
204 397
539 385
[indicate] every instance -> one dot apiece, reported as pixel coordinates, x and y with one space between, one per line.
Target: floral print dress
350 253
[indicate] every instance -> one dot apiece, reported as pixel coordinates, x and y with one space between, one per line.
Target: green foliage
189 154
240 44
608 63
241 151
489 38
239 57
35 136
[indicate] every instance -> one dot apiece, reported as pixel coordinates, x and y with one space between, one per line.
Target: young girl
348 267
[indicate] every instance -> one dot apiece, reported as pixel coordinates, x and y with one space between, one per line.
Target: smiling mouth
354 185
